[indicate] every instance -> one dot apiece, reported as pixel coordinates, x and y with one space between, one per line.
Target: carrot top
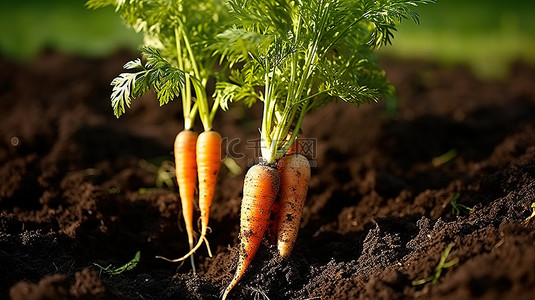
305 54
178 58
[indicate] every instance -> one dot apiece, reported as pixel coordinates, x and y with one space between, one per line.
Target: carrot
260 188
208 165
294 171
186 175
274 219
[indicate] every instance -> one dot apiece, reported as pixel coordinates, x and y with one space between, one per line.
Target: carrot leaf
306 54
157 74
126 267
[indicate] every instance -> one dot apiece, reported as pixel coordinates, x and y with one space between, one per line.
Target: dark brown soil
77 189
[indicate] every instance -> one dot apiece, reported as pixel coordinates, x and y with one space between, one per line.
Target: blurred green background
27 27
485 34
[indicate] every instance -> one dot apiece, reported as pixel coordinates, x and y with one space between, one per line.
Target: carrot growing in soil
294 170
208 164
273 225
186 174
179 62
260 189
304 54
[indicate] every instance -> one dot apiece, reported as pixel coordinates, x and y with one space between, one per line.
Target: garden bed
389 192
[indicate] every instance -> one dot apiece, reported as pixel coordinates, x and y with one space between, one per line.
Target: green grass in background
488 35
29 26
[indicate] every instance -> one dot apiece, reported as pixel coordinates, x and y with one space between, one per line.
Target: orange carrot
294 171
186 175
260 189
274 219
208 165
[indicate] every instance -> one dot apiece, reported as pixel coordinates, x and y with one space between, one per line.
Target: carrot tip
191 252
169 259
176 260
225 294
207 246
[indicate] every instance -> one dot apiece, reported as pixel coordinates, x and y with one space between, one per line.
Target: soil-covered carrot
304 54
274 219
294 171
260 189
186 176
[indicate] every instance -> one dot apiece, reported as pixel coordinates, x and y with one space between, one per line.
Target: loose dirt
391 189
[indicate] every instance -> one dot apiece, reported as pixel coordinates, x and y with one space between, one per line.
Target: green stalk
295 131
282 128
186 102
265 141
199 85
191 55
215 107
293 65
188 122
294 96
202 101
188 112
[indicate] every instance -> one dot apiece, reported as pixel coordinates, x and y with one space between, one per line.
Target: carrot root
294 171
273 225
208 165
208 157
260 188
191 252
186 175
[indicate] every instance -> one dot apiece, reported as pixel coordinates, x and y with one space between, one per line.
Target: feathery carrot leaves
157 74
307 53
178 35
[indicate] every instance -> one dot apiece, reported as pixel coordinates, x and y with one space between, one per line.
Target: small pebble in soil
143 278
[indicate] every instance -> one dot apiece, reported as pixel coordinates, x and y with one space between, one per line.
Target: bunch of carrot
178 63
303 54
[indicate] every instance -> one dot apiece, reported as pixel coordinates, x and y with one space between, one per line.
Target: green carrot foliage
178 35
304 54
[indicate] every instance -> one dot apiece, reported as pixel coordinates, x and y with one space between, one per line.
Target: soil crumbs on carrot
454 167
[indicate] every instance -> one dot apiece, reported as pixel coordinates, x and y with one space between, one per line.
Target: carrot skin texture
273 225
260 188
186 175
208 163
294 171
208 166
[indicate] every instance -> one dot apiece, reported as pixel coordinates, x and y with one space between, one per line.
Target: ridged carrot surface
208 165
294 171
260 188
186 175
273 225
